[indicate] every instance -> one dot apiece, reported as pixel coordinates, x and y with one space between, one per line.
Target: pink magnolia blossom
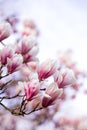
47 69
52 93
28 69
25 45
31 55
64 77
14 63
31 90
28 48
5 53
5 30
33 65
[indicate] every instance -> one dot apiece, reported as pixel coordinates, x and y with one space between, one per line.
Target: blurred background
62 25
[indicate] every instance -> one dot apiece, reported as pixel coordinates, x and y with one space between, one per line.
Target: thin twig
17 95
5 106
34 110
3 85
2 43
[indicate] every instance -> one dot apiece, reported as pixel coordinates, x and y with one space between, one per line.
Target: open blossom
25 45
5 53
5 30
52 93
31 55
64 77
47 68
14 63
28 48
31 90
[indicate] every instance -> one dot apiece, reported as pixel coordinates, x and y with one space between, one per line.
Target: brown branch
5 106
19 111
17 95
34 110
3 85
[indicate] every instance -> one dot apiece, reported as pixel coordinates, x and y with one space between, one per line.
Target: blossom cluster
36 85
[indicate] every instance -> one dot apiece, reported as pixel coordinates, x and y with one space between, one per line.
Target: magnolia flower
29 23
28 31
13 20
33 65
5 30
64 77
30 68
52 93
14 63
47 68
29 28
31 55
5 53
25 45
31 90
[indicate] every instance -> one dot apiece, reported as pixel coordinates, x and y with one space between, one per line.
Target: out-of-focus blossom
34 77
64 77
47 69
13 20
5 53
25 70
29 31
66 58
28 69
52 93
29 28
29 23
31 90
5 30
14 63
74 123
33 65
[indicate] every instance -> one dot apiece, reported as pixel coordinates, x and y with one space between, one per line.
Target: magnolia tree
26 84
